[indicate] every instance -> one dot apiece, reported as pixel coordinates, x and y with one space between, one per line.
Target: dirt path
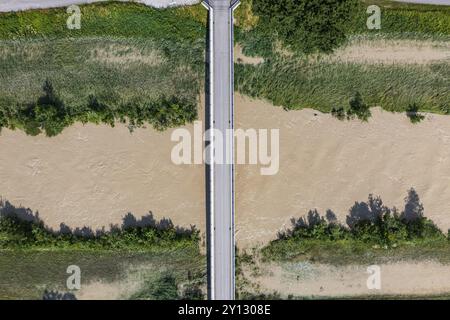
392 52
403 278
240 57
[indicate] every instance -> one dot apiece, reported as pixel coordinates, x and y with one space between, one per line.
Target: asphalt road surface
221 250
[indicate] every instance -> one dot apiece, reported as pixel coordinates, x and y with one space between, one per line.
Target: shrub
192 292
338 112
358 108
412 112
163 288
316 227
307 25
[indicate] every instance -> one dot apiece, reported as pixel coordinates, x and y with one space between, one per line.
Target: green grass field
296 84
27 274
408 19
116 70
345 252
113 19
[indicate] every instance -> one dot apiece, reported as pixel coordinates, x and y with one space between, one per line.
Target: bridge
220 107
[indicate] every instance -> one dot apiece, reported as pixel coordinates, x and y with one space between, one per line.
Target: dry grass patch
392 51
117 54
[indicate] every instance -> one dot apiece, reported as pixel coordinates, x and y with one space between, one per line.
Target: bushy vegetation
307 25
167 287
357 108
413 113
17 233
164 288
369 224
51 115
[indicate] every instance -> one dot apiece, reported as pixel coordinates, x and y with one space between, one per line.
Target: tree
50 112
413 207
307 25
